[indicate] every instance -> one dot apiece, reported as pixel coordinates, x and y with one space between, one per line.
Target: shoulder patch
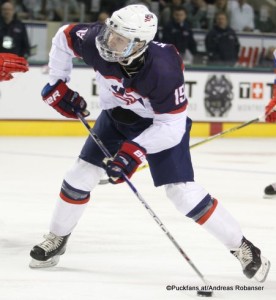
81 33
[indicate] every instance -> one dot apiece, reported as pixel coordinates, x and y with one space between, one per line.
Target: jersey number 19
179 95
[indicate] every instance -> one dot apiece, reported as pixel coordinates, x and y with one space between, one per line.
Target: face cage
111 55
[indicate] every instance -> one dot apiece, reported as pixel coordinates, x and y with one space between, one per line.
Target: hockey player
11 63
270 190
143 115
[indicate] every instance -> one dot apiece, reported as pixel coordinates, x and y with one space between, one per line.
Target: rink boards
243 98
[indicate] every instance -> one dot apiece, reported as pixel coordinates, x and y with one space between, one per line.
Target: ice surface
117 251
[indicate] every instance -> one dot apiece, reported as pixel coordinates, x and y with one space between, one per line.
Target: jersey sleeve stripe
179 110
176 111
69 39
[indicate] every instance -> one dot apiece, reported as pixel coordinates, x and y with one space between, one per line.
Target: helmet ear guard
132 27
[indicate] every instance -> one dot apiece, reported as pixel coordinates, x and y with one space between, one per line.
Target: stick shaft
220 134
213 137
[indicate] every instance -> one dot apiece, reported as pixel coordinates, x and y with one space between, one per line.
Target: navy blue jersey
160 80
156 92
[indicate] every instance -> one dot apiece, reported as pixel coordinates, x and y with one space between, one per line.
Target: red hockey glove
271 116
126 161
5 76
64 100
11 63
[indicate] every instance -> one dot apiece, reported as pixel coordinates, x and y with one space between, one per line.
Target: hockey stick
140 198
220 134
209 139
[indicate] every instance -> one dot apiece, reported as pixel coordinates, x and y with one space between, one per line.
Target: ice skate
47 253
254 265
270 191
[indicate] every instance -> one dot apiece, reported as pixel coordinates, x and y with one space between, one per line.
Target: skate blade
269 196
263 270
36 264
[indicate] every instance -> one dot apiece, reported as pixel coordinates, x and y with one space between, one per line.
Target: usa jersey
156 91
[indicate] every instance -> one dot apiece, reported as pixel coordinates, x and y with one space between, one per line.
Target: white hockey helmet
126 34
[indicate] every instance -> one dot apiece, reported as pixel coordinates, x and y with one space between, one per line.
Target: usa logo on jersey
148 17
127 95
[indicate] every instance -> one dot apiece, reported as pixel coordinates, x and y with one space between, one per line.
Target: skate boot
47 253
270 191
253 263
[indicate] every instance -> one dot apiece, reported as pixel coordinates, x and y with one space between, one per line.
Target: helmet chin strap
135 65
127 61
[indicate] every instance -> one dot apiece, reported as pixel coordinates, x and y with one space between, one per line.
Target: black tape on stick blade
204 293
